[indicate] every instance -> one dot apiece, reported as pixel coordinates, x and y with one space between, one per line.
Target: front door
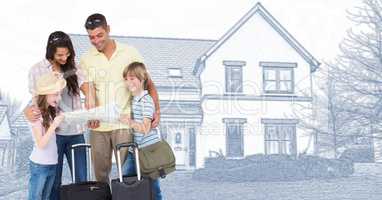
179 147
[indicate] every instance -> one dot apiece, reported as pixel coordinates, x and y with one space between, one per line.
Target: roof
184 108
159 55
258 8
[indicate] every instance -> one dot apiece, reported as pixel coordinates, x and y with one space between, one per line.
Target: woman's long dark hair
48 113
60 39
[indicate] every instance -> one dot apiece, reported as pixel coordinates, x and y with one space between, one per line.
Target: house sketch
230 95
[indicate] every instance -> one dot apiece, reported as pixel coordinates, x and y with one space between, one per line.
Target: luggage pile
137 187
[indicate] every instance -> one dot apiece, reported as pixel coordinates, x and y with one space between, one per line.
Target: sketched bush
359 155
272 168
317 167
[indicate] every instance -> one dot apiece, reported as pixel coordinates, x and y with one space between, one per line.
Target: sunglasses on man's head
94 22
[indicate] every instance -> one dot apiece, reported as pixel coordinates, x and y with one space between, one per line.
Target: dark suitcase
136 187
89 190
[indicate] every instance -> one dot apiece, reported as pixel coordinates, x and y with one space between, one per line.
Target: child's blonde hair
139 70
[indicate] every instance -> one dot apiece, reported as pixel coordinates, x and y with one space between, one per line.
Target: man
103 65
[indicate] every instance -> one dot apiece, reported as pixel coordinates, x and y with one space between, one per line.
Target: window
175 72
280 139
278 77
192 145
278 80
234 79
234 76
234 136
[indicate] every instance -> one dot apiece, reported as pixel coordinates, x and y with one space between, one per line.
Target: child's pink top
48 155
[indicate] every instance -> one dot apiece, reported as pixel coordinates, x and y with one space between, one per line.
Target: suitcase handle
76 146
138 168
130 144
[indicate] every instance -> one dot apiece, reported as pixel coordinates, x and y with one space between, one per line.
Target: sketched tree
12 103
358 69
327 119
349 105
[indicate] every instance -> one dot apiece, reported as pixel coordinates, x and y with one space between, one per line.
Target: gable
256 11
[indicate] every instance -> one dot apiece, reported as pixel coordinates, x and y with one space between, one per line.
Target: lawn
365 184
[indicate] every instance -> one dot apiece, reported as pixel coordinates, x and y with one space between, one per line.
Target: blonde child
143 109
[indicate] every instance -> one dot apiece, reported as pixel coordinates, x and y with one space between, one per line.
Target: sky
319 25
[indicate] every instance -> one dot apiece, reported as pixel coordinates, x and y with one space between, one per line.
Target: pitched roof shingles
159 55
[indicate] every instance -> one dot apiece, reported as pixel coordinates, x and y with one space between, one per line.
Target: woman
60 57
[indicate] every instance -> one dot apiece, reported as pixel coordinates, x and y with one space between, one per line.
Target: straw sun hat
49 84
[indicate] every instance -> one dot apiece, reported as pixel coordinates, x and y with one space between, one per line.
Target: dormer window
174 72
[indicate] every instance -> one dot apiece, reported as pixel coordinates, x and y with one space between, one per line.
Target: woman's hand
32 113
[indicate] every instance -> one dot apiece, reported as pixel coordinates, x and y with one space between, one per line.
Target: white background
319 25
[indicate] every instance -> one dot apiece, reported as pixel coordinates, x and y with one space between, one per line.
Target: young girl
143 109
43 159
